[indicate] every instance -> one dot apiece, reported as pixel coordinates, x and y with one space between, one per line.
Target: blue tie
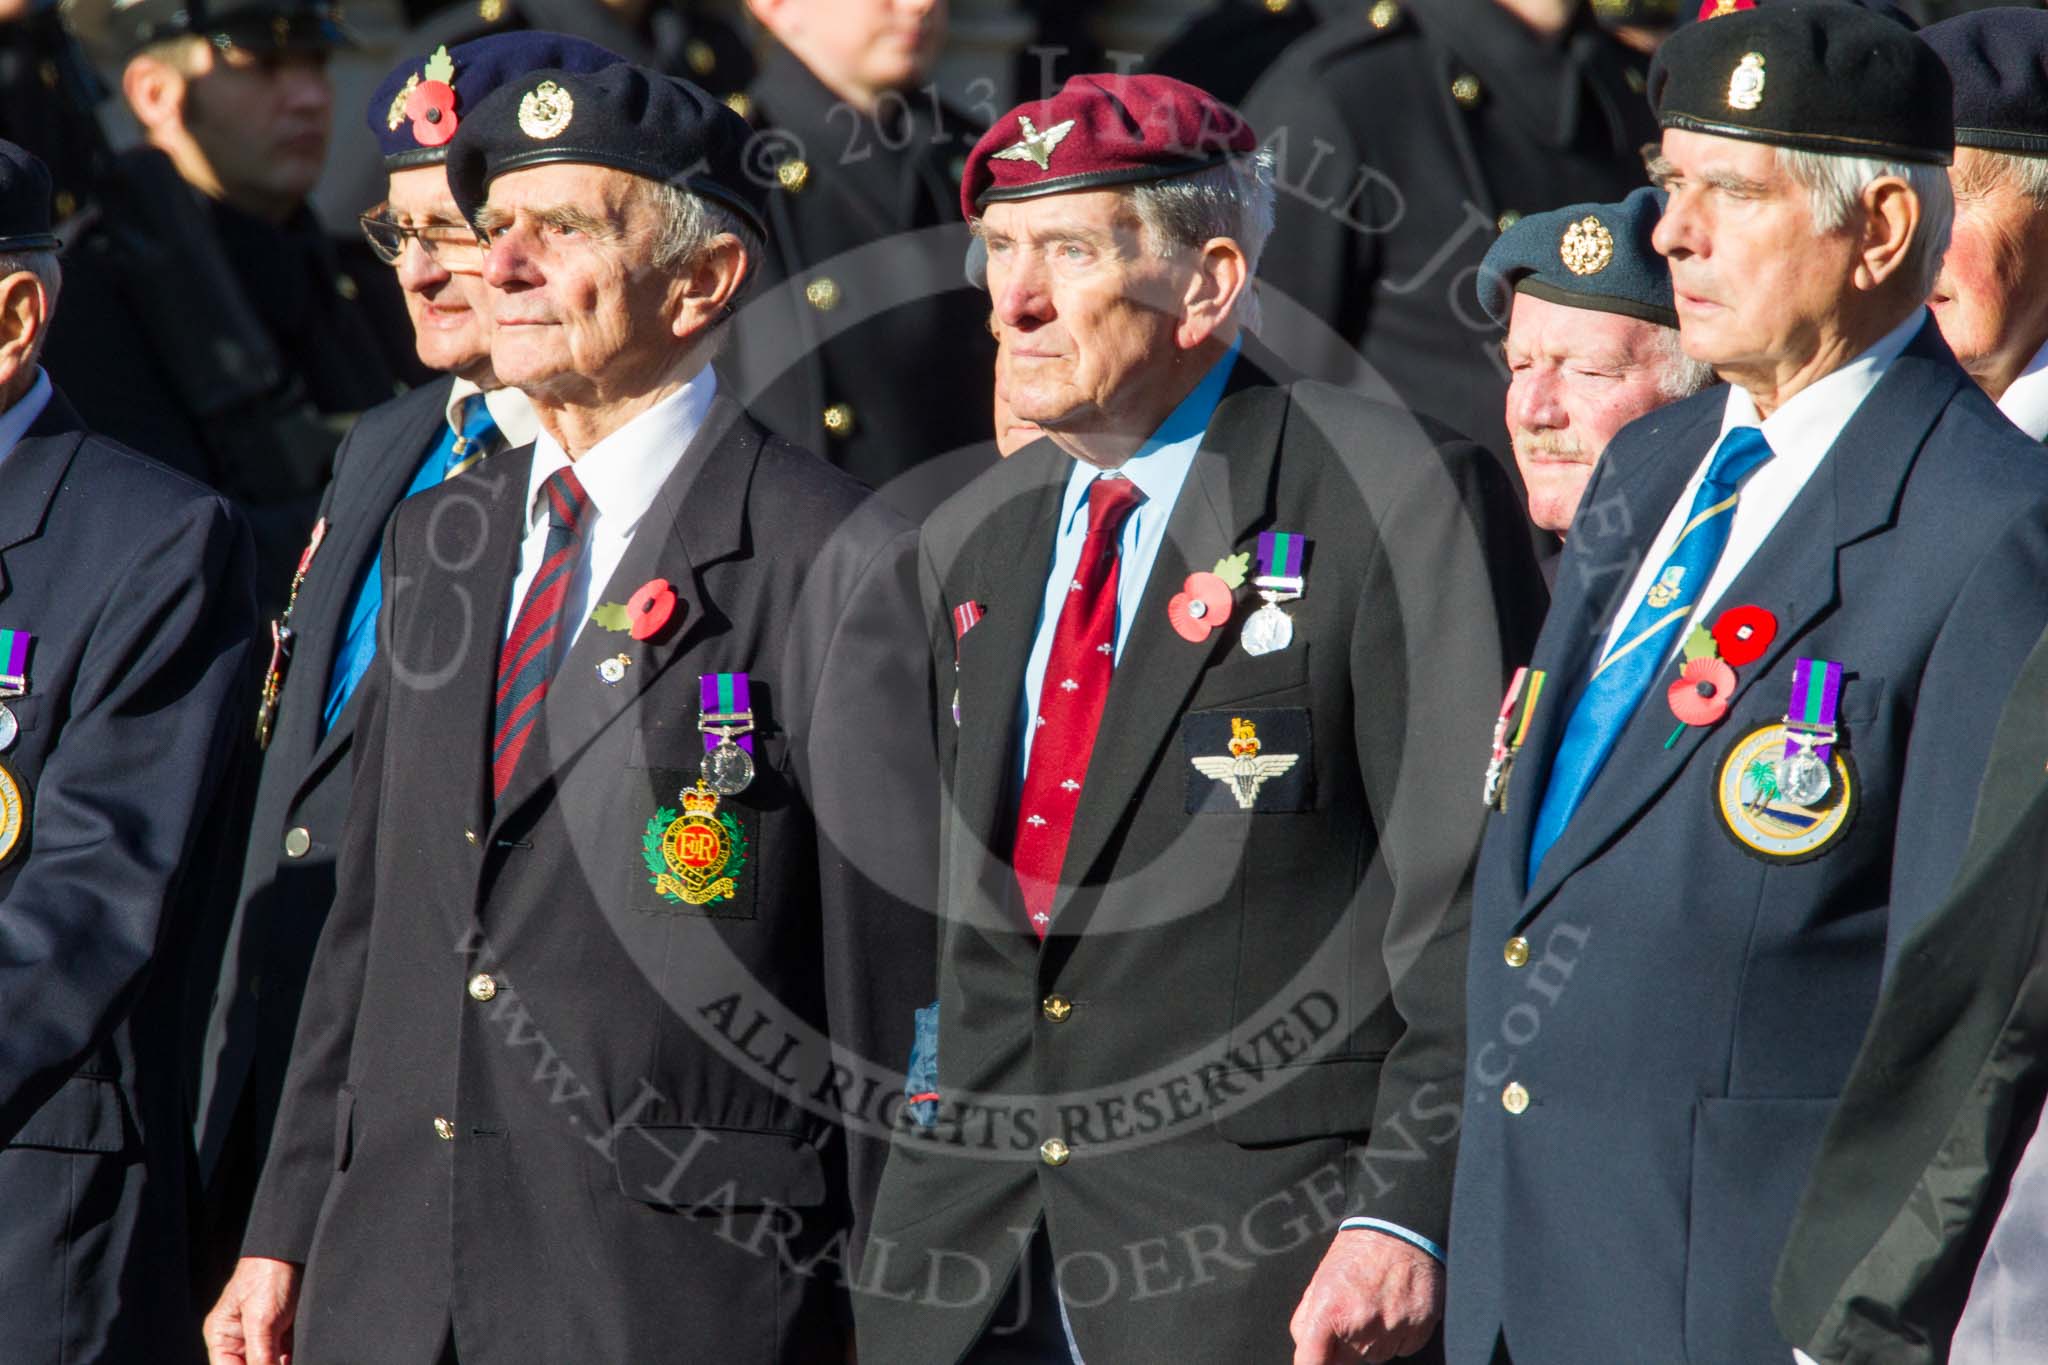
456 451
1623 675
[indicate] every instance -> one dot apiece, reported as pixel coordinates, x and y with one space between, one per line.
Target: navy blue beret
626 117
122 28
1595 256
418 107
24 201
1817 75
1998 59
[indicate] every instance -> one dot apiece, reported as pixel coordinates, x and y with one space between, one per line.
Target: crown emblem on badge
697 802
1036 147
545 111
1587 247
1246 770
1746 84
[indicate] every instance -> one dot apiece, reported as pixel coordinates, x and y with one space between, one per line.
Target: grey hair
1234 200
689 224
49 271
2026 174
1679 375
1835 184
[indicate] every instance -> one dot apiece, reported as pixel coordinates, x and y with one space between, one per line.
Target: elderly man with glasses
327 636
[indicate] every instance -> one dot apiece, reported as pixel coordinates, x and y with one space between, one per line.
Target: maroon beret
1100 131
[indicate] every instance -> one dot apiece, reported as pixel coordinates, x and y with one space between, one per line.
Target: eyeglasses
452 246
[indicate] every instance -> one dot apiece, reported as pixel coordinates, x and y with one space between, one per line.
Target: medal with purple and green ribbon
1804 776
1278 579
13 680
725 713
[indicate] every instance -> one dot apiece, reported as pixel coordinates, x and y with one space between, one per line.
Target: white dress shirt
15 422
512 410
1800 432
622 473
2026 400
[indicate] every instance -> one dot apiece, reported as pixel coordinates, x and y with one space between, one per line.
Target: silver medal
728 769
10 727
1803 779
612 671
1267 630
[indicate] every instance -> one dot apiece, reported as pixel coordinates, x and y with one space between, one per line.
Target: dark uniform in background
1407 137
124 592
233 349
48 92
1227 47
861 339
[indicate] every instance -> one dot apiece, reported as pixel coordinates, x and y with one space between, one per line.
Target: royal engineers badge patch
1771 822
545 111
695 858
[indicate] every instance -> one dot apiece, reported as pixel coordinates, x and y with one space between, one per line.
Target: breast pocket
700 851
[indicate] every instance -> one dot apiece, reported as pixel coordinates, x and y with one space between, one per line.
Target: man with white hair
1189 1091
1992 296
637 780
1592 340
1750 738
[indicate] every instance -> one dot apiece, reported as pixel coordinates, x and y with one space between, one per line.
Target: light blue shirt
1158 469
15 422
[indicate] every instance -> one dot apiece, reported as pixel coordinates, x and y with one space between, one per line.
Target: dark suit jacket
134 581
1256 1025
283 896
627 1144
1913 1167
1688 1012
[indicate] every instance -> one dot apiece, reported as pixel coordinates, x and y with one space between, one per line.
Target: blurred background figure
210 320
48 94
1592 341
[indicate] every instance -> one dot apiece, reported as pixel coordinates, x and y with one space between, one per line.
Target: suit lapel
696 519
1853 492
33 471
1228 493
392 461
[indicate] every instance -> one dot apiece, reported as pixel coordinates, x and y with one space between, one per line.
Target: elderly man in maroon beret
1217 660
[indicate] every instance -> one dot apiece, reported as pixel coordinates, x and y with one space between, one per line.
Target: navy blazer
135 582
1687 1012
286 887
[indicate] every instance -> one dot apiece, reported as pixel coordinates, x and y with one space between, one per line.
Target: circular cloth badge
13 814
1763 820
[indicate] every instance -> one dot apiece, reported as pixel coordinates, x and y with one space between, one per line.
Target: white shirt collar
2026 400
623 472
15 422
1805 426
511 409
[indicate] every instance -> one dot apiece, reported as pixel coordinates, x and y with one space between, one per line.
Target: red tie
1070 703
532 649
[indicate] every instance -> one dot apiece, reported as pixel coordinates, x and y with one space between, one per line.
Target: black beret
1818 75
1998 59
625 117
24 201
1595 256
417 108
119 30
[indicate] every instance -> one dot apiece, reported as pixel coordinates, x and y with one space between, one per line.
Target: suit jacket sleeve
301 1158
1452 595
867 766
117 804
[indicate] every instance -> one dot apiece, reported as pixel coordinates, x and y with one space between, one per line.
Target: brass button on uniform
1383 15
1057 1008
702 57
66 203
1466 91
1053 1152
1507 220
481 987
491 11
740 104
822 294
839 419
346 287
1514 1099
1516 951
444 1130
1278 6
298 842
471 836
793 175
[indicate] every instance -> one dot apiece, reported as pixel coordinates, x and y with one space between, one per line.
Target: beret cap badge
1035 147
398 102
545 111
1587 247
1746 84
